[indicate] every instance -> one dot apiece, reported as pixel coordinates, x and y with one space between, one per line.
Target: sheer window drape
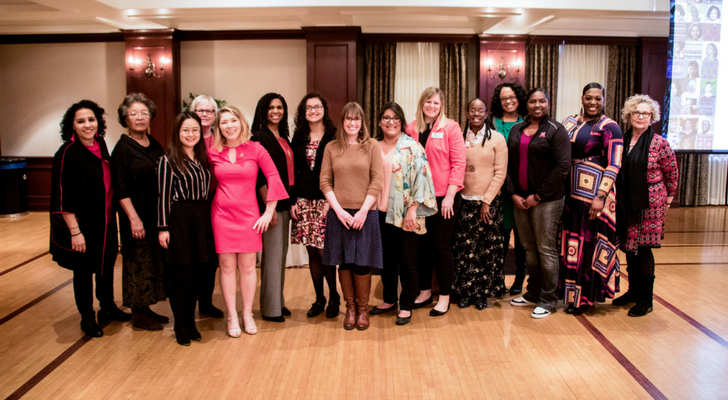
417 68
579 65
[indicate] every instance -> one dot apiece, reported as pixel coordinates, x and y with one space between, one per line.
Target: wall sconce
150 68
503 68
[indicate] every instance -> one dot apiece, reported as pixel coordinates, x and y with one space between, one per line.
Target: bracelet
76 234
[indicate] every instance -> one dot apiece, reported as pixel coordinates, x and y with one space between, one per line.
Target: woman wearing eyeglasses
646 185
351 179
507 108
313 130
407 197
133 164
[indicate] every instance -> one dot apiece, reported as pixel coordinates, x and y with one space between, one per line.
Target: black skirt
353 246
190 233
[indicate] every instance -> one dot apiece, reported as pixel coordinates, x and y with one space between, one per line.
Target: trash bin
14 186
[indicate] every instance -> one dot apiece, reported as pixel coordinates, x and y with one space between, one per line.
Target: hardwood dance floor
679 351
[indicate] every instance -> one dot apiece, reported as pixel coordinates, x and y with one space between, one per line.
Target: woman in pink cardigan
445 149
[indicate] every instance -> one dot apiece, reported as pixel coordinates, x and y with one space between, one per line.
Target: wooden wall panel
512 52
653 68
332 65
39 182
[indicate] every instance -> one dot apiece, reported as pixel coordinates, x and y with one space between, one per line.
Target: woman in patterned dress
589 262
313 131
478 243
646 186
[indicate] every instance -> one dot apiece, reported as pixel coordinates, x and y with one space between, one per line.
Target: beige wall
241 71
40 81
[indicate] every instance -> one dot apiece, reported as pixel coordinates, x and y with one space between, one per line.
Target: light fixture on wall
150 68
503 68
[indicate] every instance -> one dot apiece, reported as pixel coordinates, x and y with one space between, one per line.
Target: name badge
437 135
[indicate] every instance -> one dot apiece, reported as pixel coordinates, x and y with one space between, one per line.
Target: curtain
717 175
542 66
693 186
622 80
454 79
417 68
379 66
578 65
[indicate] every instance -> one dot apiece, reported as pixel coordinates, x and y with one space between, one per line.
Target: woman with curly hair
83 222
507 108
313 130
646 185
134 163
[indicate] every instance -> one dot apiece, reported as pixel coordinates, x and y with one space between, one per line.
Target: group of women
407 199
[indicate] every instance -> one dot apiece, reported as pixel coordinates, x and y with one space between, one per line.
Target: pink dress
235 208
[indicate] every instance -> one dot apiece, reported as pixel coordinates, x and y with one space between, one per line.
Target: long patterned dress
589 262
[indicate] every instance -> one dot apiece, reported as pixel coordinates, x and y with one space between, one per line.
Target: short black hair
67 130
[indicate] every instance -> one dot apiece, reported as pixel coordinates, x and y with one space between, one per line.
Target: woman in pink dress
236 222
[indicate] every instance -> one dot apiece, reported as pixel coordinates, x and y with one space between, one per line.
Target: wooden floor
680 351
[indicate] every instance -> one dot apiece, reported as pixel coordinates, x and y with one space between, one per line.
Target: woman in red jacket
445 149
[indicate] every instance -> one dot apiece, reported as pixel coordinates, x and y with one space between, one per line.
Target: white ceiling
522 17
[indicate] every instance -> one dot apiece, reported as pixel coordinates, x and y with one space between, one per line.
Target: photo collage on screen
695 55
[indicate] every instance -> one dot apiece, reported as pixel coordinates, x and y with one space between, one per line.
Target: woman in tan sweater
351 179
478 244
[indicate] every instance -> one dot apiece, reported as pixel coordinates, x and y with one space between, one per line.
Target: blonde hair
220 140
631 104
363 138
420 124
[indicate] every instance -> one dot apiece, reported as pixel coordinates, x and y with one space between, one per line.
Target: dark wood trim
405 37
332 34
39 182
241 35
24 263
62 38
590 40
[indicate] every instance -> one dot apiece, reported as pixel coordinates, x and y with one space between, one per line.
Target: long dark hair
301 130
397 110
260 120
176 152
594 85
489 125
527 118
496 109
67 130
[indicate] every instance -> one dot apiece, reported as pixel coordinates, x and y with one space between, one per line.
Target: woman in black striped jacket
184 223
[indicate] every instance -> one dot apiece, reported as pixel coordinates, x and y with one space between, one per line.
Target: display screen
693 101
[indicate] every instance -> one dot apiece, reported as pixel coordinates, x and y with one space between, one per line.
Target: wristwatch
601 196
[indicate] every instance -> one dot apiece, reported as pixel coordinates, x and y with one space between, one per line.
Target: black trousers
435 250
399 252
84 293
183 295
206 282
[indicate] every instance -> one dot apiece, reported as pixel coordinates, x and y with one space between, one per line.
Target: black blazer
268 140
549 160
306 184
77 186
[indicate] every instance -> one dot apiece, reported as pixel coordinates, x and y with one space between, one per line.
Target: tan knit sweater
353 174
486 167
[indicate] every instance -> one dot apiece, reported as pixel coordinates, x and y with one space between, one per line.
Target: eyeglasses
143 114
201 111
316 107
387 119
187 132
507 99
638 114
352 119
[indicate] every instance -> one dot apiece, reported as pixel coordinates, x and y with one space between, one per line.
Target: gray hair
204 99
132 98
631 104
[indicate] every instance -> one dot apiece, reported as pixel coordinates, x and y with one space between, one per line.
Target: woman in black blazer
83 222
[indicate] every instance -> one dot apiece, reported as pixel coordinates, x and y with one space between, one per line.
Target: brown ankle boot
363 285
347 287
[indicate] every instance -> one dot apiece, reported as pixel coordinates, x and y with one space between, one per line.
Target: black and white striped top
173 185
